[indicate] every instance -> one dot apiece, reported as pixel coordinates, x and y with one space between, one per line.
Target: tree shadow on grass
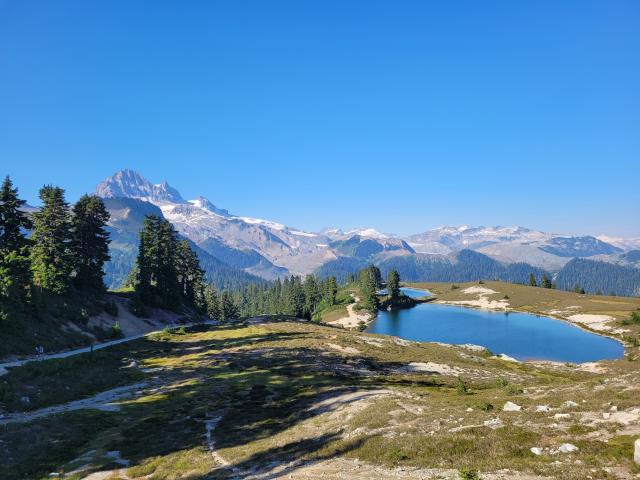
260 392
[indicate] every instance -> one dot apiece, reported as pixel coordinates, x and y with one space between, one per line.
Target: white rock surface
536 450
567 448
511 407
494 423
569 404
543 408
636 453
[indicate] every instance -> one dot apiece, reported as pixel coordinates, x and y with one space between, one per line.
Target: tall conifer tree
51 256
393 284
90 243
15 274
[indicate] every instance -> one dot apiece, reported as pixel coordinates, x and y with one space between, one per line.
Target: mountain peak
130 184
367 233
205 204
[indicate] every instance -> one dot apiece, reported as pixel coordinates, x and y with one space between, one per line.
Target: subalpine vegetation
51 269
295 296
167 273
65 253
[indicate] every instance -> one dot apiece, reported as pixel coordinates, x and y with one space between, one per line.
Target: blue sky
398 115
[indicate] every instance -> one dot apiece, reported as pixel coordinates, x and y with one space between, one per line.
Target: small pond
520 335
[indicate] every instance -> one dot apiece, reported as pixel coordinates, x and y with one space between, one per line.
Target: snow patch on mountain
302 252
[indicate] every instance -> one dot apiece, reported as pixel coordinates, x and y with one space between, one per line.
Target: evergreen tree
532 280
51 257
393 284
227 308
190 276
132 277
167 284
90 243
15 273
311 296
145 267
546 282
12 219
212 302
368 280
157 282
297 297
330 290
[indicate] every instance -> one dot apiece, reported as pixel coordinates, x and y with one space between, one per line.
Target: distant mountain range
248 248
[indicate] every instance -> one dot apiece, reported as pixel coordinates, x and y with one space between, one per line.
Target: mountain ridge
271 249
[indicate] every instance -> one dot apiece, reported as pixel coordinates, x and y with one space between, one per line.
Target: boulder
536 450
567 448
543 408
636 452
569 404
511 407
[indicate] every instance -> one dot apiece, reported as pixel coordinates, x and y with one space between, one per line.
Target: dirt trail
97 346
354 318
210 425
101 401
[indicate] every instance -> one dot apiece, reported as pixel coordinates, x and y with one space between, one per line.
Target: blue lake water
520 335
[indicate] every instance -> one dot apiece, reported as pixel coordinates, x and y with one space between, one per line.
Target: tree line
67 248
295 296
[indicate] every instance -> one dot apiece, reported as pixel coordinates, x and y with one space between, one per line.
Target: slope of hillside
603 277
462 266
127 216
289 399
270 250
199 220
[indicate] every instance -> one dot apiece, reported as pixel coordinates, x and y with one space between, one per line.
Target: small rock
569 404
636 453
543 408
606 415
567 448
506 358
613 409
536 450
511 407
494 423
561 416
469 409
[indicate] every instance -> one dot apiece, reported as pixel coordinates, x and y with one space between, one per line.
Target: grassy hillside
299 400
55 323
537 299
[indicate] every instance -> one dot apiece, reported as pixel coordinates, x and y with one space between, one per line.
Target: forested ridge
599 277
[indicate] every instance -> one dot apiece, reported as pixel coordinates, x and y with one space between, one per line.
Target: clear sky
397 115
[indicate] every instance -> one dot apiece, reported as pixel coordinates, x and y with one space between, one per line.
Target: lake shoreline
537 314
434 299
